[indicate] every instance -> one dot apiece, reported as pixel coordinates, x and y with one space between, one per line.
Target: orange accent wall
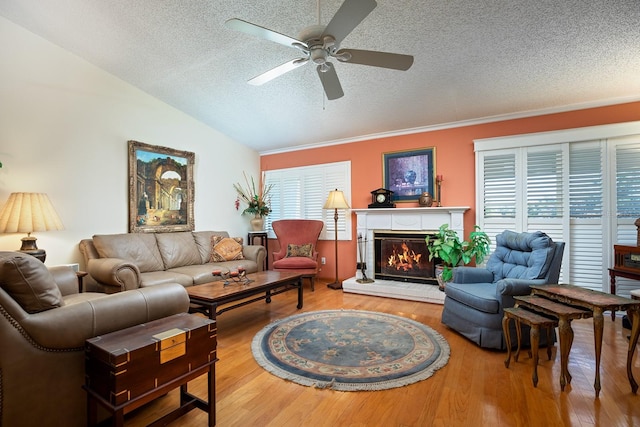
454 159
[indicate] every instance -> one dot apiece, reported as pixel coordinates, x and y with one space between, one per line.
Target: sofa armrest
472 275
114 272
66 279
255 253
69 326
516 287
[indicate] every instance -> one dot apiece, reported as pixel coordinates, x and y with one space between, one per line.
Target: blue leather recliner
476 297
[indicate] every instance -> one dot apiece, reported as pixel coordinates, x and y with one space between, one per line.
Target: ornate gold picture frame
161 189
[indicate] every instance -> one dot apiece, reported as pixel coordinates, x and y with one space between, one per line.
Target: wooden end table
535 322
598 302
565 314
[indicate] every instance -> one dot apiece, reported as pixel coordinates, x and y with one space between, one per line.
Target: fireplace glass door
403 256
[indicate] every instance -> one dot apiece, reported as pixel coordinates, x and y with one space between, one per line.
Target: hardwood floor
474 389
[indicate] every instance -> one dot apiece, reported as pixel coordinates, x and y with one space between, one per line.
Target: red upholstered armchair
298 239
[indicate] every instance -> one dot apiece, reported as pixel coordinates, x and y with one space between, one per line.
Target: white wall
64 127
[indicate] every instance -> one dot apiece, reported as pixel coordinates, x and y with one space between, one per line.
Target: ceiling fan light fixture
318 55
343 56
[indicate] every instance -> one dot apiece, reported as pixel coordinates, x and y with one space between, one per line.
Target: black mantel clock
381 198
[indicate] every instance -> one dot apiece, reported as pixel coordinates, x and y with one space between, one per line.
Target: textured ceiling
473 59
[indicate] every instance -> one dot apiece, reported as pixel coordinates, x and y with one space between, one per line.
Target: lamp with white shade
28 213
335 201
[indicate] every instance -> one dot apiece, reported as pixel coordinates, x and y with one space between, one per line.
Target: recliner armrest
516 287
472 275
114 272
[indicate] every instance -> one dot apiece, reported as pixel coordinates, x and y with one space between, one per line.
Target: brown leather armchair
44 322
298 239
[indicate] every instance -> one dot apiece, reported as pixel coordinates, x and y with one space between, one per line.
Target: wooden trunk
124 365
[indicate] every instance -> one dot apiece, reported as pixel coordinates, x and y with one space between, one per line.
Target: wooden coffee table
207 297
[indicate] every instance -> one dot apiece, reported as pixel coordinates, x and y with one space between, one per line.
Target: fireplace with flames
403 256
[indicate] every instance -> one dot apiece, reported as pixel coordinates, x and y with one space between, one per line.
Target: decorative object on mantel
336 201
446 246
258 202
425 199
439 179
409 173
381 198
362 251
26 213
323 349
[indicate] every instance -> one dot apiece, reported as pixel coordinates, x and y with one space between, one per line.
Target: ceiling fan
319 44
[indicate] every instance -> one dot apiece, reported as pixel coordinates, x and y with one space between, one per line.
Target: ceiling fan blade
261 32
330 81
277 72
394 61
350 14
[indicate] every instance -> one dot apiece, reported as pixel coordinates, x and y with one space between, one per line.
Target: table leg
566 339
612 280
598 325
211 382
92 411
548 330
519 337
534 334
634 315
507 338
300 293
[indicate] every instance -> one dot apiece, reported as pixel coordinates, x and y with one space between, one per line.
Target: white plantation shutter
628 179
577 189
627 199
499 195
586 206
544 184
300 193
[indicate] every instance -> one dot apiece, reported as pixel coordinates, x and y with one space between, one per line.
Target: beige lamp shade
29 212
336 200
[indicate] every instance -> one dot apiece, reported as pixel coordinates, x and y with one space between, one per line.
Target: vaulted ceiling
473 60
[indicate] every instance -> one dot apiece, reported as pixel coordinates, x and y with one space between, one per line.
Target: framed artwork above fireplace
409 173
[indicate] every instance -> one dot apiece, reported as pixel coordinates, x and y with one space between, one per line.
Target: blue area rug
350 350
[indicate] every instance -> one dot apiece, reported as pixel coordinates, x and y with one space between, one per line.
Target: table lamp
336 201
26 213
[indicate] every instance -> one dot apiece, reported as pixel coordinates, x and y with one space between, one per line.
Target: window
580 186
301 193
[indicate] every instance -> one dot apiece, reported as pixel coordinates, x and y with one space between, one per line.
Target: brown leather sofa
119 262
44 322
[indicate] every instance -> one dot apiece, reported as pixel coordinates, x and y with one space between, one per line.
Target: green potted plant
446 246
258 201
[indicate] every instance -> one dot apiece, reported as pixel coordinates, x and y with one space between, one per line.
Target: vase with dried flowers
258 202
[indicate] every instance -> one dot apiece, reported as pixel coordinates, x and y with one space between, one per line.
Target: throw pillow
29 282
226 248
299 250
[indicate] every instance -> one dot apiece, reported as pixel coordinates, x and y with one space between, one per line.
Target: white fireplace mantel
400 219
